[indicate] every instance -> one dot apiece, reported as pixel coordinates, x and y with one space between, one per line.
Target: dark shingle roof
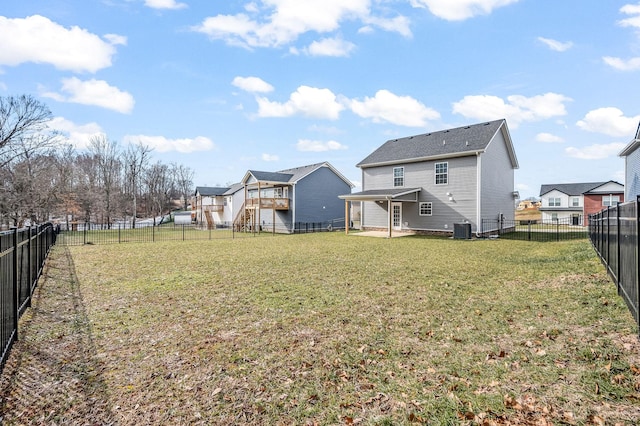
271 176
571 188
451 142
210 191
295 174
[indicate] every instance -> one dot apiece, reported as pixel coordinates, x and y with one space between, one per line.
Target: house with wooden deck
208 205
283 201
432 182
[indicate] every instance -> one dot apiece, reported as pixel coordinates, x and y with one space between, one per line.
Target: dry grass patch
330 329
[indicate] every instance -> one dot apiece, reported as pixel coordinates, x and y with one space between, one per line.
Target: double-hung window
610 200
575 202
442 173
425 208
554 202
398 176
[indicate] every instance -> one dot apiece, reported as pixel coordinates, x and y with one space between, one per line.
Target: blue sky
227 86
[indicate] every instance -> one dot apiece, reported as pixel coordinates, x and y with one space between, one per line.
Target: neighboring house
281 201
432 181
233 201
208 205
631 155
528 204
572 203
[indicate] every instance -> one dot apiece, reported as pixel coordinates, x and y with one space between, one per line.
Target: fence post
617 208
84 234
119 236
16 296
637 248
30 262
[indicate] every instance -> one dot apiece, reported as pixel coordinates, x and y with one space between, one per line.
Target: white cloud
164 4
307 101
274 23
270 157
516 110
252 84
632 64
330 47
116 39
609 121
558 46
595 152
163 144
388 107
39 40
548 138
319 146
93 92
634 20
399 24
459 10
77 135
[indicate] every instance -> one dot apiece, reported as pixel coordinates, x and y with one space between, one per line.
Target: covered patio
380 196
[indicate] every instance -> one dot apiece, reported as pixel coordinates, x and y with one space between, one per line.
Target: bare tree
135 160
106 155
159 186
20 118
183 177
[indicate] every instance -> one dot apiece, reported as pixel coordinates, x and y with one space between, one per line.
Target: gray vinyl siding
497 177
632 176
462 184
316 196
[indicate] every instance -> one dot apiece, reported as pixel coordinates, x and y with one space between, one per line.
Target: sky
223 87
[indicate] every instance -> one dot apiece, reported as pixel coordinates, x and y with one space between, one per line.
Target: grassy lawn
328 329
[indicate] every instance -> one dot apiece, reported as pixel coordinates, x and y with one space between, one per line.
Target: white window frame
610 200
555 202
575 201
441 174
398 180
429 207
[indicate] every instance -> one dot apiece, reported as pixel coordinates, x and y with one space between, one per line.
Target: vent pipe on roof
444 142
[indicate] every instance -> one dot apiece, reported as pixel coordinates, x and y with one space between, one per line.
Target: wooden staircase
244 219
210 223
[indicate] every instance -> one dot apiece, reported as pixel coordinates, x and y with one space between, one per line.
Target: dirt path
53 375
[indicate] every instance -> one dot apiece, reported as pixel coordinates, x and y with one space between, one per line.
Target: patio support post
346 217
390 215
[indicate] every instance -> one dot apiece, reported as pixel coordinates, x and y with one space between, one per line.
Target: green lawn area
333 329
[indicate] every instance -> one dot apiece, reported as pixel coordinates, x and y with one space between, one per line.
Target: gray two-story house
433 181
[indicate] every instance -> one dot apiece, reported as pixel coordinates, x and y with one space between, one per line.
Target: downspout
293 201
478 194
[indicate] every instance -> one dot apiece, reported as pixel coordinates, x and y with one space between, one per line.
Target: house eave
422 159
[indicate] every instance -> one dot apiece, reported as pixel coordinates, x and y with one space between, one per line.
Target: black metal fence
90 233
530 230
22 256
614 235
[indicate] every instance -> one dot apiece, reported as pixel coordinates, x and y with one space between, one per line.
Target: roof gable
210 191
460 141
574 188
291 176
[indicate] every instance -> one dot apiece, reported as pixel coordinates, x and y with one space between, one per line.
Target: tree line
45 178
